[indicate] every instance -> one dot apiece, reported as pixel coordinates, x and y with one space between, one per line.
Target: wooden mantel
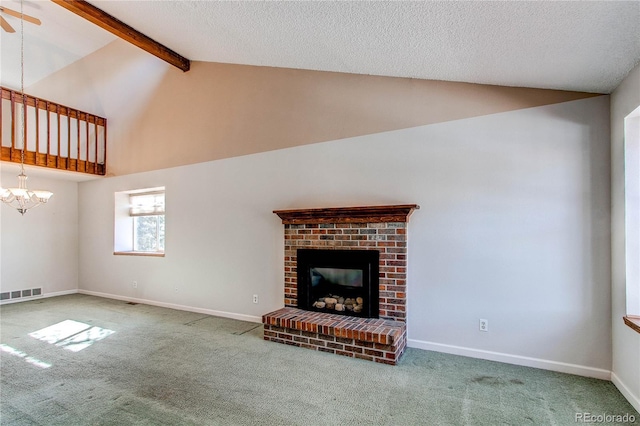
367 214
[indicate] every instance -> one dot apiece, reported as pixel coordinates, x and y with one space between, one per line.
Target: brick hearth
366 338
382 228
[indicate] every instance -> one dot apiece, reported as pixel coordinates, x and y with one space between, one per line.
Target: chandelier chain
24 103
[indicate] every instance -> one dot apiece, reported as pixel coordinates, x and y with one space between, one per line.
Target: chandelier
21 198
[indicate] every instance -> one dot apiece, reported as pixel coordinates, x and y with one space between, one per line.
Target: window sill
633 322
138 253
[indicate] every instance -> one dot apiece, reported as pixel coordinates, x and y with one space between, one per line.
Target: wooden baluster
78 141
86 142
37 103
46 104
104 160
95 131
59 144
13 125
24 125
68 139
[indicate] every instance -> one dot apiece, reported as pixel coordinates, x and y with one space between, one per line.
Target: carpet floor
108 362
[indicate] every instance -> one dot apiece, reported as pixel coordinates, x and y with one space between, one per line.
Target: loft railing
56 136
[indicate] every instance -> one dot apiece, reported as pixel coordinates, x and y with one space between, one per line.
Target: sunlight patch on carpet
71 335
31 360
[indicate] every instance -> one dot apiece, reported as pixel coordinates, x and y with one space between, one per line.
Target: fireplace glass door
341 282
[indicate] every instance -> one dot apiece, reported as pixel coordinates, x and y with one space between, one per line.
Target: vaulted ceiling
576 45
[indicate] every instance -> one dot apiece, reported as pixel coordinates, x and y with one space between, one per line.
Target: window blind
147 204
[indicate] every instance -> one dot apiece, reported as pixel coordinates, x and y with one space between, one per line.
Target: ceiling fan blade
15 14
5 25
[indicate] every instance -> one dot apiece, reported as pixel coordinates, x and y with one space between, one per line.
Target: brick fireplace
381 338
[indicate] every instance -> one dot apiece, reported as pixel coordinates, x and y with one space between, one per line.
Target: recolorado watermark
604 418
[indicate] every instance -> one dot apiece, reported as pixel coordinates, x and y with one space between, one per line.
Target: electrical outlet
135 284
255 298
484 325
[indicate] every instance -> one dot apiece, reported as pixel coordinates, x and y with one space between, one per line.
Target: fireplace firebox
341 282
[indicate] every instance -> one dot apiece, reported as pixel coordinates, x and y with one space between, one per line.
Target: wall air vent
20 294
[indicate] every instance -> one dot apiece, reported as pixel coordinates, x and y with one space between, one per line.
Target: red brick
373 352
335 345
397 250
366 243
386 244
361 356
396 275
381 347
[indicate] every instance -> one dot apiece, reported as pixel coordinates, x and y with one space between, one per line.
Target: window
632 210
147 211
140 222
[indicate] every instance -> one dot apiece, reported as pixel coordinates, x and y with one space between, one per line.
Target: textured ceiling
575 45
586 46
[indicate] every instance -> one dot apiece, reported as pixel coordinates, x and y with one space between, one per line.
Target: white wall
40 249
626 342
513 227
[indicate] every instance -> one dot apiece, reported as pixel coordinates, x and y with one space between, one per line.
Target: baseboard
40 296
543 364
634 400
232 315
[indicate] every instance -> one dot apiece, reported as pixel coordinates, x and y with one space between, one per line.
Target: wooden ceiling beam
104 20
